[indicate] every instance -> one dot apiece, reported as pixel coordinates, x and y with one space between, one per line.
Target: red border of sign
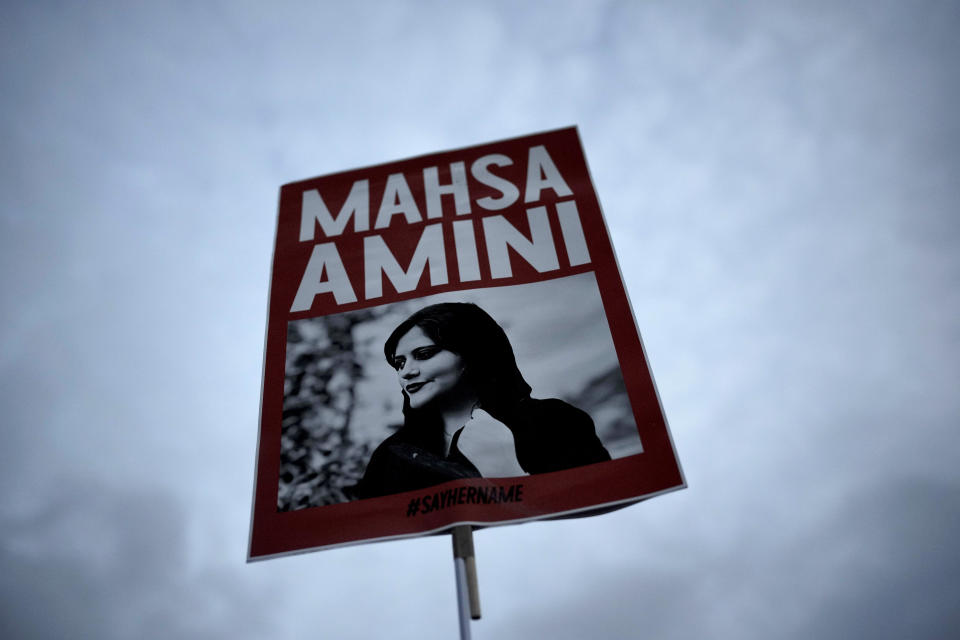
577 491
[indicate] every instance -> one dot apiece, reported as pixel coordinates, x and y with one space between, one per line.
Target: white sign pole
465 566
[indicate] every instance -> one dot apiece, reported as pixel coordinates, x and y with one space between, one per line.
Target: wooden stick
463 548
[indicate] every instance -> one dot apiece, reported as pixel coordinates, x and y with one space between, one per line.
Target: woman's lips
413 387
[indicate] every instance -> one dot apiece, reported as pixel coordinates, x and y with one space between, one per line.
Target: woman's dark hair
470 332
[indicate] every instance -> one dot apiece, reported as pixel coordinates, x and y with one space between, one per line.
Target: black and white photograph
491 382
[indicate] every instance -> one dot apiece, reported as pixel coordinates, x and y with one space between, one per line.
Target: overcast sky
781 184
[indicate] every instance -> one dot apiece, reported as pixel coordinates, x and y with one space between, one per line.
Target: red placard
472 287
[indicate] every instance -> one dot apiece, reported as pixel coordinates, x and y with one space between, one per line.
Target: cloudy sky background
780 180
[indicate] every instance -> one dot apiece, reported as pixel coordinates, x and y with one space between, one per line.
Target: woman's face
427 372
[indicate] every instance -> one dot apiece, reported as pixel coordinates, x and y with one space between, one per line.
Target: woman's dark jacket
549 435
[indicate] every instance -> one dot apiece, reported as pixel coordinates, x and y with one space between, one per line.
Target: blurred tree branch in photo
605 398
319 460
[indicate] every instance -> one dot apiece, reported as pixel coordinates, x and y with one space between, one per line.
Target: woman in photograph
467 409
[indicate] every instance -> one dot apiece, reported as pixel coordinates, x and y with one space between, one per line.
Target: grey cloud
881 564
887 564
101 562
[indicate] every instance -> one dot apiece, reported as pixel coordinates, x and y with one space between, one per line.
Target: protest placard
449 341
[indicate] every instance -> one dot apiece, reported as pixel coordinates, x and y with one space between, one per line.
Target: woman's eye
398 363
424 354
